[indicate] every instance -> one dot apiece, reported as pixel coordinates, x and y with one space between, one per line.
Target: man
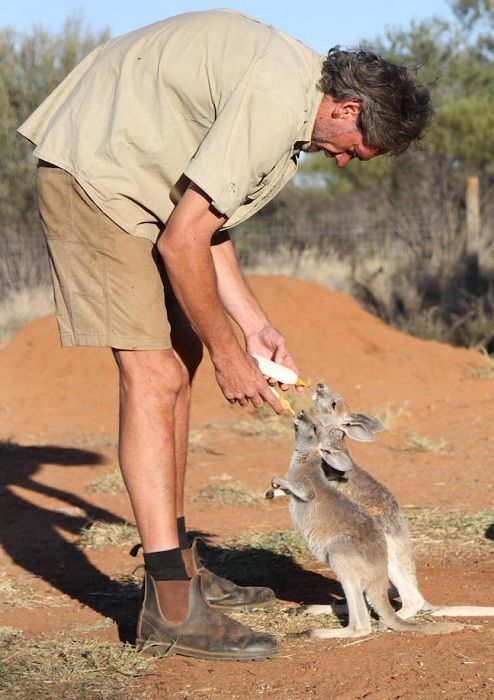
149 150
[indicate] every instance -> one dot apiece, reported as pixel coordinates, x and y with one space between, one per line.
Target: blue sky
319 24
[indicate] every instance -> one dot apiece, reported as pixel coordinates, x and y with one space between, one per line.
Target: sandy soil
58 414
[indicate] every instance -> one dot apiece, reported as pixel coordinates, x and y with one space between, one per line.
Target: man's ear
347 109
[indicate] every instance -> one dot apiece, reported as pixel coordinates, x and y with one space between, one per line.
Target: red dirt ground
52 398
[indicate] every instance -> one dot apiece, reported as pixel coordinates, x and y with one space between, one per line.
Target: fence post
472 202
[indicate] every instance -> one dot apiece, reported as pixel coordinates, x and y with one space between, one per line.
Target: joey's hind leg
359 621
330 609
401 572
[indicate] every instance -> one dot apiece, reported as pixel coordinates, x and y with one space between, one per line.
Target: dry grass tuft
464 533
485 370
197 443
306 264
23 306
285 542
280 620
8 634
231 493
390 414
268 429
263 423
72 669
100 534
111 482
19 594
421 443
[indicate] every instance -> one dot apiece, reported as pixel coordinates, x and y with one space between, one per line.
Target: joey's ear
336 459
357 431
370 422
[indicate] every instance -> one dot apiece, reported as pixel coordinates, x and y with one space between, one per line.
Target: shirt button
232 187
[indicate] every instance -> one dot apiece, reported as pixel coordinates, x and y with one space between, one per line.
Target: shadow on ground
253 566
31 534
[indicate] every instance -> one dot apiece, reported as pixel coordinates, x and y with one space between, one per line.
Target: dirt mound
45 390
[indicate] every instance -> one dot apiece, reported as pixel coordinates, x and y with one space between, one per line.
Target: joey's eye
333 404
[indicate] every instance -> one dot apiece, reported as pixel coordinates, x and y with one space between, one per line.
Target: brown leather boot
204 634
221 593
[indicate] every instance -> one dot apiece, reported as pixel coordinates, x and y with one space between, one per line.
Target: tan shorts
110 287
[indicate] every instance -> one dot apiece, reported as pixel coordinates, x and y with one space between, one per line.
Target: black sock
183 540
167 565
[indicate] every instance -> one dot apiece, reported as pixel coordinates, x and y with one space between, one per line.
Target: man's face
336 133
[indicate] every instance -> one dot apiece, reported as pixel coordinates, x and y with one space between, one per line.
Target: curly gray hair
396 108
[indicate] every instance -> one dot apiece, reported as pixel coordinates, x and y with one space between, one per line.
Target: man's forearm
193 278
186 252
234 291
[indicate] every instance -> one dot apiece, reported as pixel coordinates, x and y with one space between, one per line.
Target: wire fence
24 258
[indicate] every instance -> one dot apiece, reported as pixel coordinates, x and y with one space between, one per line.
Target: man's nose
342 159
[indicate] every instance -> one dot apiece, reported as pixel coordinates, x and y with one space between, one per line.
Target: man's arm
185 246
241 304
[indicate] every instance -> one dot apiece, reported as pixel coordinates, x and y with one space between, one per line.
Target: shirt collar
314 99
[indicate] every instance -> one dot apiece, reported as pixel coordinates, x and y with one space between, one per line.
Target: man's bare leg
152 384
174 615
187 349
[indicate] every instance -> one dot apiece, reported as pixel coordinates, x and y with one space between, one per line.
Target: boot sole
243 607
157 649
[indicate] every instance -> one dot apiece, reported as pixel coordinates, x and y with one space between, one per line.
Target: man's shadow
30 533
253 566
31 536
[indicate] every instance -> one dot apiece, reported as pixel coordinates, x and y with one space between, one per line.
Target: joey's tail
461 611
378 598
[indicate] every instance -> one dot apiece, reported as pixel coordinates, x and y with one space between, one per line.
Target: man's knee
154 373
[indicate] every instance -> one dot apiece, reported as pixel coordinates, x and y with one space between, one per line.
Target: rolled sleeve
250 135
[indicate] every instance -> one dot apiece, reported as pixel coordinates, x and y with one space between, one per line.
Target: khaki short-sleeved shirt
215 97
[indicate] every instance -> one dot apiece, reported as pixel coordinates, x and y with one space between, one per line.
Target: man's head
370 107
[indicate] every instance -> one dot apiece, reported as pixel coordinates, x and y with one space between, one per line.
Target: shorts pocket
53 186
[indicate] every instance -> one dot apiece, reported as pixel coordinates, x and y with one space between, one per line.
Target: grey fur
335 416
343 535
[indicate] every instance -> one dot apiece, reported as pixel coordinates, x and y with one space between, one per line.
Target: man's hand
270 343
241 381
